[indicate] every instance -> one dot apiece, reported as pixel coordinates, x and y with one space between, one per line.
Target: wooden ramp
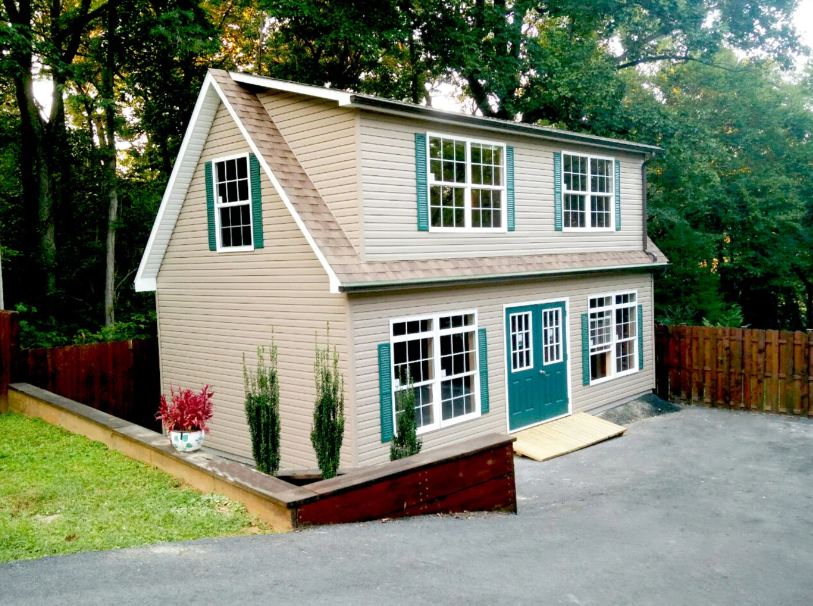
563 436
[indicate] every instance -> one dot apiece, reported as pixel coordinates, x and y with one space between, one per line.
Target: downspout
644 211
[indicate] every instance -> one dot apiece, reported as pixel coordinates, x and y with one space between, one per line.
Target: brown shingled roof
342 256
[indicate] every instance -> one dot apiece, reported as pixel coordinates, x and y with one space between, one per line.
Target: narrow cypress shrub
328 413
405 443
262 410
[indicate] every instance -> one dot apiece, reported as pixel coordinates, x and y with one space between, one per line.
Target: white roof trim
183 170
293 87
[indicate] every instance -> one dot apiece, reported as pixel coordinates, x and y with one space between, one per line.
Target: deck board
564 436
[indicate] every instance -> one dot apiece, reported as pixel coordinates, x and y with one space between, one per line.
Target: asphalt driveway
697 507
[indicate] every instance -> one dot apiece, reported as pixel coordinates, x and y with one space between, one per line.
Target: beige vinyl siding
371 324
323 137
389 194
213 308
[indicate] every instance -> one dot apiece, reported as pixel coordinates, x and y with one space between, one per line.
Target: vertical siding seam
351 355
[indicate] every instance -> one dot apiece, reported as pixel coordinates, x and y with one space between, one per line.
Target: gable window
613 335
588 188
439 355
466 184
233 204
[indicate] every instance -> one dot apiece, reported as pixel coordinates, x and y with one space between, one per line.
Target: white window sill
583 229
468 230
620 375
230 249
449 423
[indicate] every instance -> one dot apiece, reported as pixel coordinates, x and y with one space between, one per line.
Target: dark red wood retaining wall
475 475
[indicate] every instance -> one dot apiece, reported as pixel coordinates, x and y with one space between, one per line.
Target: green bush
328 413
405 443
730 317
262 410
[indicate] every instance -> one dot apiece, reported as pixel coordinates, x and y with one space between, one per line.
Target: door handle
542 372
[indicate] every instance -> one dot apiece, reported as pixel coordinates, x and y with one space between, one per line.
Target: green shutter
256 200
420 176
640 337
617 195
210 206
557 191
385 390
483 354
509 185
585 349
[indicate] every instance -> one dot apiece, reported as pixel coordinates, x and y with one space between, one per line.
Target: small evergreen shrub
328 413
262 410
405 443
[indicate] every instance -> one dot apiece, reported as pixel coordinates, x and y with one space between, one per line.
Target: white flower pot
186 441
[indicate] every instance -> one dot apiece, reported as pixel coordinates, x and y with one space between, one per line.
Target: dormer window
233 204
466 184
588 188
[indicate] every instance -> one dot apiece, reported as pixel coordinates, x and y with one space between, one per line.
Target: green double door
536 364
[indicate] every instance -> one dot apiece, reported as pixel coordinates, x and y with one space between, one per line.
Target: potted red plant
184 417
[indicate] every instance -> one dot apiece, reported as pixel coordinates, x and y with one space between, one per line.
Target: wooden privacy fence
120 378
737 368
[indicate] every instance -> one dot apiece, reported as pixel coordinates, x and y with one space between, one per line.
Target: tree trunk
108 92
37 180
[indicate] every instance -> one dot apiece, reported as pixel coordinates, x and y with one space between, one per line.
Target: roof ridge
386 105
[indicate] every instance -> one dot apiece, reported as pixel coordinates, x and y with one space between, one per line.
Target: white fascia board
145 279
341 97
334 280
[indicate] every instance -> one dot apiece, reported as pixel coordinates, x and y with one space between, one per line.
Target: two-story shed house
506 267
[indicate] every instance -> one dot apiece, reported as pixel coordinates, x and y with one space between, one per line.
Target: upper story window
466 184
613 335
588 190
233 204
438 354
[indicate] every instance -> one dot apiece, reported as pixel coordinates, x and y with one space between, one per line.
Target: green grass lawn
61 493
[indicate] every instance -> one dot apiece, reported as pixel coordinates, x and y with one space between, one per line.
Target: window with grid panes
588 192
613 323
466 183
233 203
438 354
552 335
521 343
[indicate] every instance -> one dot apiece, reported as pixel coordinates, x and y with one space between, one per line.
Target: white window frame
437 400
218 206
589 192
557 311
614 374
468 186
530 339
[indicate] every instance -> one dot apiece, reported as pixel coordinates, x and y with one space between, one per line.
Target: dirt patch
639 409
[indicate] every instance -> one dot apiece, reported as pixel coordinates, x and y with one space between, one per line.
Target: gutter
352 287
645 212
411 111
